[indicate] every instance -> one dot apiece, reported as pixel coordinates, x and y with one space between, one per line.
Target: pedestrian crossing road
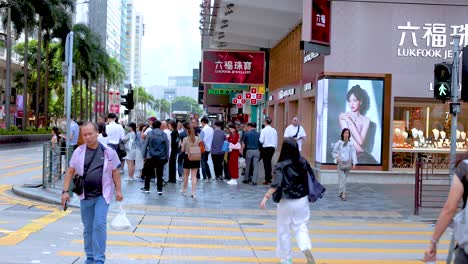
53 236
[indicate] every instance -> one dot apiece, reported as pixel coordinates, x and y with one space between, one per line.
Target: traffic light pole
454 105
454 110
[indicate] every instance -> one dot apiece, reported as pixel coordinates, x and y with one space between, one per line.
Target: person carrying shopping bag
345 155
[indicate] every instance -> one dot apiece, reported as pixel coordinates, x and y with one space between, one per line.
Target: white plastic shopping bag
241 163
120 221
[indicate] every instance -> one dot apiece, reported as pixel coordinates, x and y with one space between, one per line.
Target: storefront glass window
425 127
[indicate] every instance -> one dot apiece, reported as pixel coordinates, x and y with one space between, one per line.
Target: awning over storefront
247 24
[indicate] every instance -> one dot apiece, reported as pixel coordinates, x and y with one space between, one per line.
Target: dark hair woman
292 214
357 122
102 137
234 153
131 148
190 166
344 153
174 150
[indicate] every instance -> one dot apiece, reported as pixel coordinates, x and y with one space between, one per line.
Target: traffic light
126 112
442 81
128 100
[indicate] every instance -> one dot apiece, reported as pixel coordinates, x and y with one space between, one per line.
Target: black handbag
78 181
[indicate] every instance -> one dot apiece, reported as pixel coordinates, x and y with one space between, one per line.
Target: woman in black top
290 190
174 150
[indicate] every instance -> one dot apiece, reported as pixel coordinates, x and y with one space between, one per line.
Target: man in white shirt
269 141
296 131
206 135
115 132
166 131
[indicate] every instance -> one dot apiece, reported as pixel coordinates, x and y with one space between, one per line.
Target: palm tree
47 10
23 20
56 26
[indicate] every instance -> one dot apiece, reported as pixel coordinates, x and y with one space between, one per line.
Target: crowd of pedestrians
179 150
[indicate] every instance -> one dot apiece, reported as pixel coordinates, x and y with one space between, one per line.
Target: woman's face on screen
346 135
354 103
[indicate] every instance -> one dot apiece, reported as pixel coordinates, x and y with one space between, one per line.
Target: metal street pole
69 65
8 70
454 110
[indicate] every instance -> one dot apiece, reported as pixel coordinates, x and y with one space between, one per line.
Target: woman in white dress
131 149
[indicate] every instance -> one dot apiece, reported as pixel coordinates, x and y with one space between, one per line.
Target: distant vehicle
181 115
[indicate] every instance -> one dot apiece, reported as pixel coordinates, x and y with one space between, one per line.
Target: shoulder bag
78 181
193 151
344 165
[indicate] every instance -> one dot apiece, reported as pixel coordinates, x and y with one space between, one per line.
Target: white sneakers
232 182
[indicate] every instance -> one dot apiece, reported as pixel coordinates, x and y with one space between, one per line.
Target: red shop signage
321 21
233 67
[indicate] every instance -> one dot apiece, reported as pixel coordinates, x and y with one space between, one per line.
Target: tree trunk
75 97
25 79
38 70
46 85
86 100
90 103
81 97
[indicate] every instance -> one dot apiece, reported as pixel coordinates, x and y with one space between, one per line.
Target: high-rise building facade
138 38
129 43
105 21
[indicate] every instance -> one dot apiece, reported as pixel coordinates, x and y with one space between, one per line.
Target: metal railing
55 159
432 184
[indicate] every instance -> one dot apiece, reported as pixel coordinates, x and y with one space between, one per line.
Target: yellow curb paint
241 259
272 239
21 234
271 230
19 165
14 173
259 248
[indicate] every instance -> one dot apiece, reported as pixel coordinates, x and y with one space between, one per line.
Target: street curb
26 193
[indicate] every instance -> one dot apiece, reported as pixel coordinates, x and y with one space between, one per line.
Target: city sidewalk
218 199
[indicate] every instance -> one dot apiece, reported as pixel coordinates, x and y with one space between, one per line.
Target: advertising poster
233 67
351 103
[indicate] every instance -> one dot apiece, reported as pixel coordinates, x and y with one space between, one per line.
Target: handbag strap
86 166
297 133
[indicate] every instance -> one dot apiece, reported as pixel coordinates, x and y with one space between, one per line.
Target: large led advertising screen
354 103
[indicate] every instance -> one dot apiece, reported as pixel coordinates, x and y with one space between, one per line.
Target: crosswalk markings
267 212
272 230
257 248
14 173
15 237
20 164
273 239
312 223
241 259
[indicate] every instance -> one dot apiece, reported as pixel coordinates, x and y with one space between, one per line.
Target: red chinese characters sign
316 21
233 67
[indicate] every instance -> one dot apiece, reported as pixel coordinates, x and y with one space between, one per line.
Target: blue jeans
94 218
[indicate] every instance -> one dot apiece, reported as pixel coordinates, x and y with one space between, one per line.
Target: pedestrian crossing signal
442 81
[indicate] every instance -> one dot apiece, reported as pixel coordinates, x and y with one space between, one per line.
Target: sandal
193 195
343 198
182 192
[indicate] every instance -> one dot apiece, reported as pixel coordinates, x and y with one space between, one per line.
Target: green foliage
185 103
29 131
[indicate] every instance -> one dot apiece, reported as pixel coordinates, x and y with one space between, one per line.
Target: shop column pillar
253 113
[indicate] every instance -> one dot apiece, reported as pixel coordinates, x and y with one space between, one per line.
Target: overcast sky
171 45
